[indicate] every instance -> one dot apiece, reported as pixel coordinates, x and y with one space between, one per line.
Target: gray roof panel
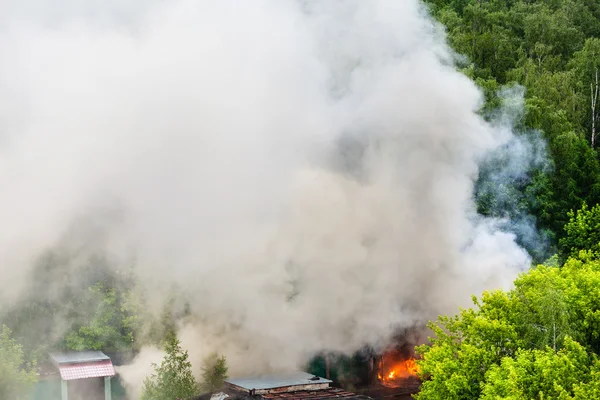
276 381
78 357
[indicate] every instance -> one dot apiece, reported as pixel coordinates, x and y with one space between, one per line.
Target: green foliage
214 373
16 376
539 374
582 231
173 379
550 47
539 340
466 346
542 309
104 328
591 388
94 309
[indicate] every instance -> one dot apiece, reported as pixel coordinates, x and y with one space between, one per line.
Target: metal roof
96 369
78 357
277 381
324 394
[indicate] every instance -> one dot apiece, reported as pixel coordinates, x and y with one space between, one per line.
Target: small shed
288 386
290 382
83 365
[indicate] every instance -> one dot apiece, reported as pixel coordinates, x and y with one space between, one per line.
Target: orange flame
411 366
403 369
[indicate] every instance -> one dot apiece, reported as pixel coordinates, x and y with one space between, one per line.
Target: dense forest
539 340
551 48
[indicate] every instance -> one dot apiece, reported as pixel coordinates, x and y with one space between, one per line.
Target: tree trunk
553 334
594 102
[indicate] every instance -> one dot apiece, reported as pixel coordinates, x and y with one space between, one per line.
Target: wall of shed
49 389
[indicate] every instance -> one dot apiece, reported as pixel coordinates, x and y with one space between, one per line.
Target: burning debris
397 366
404 369
395 371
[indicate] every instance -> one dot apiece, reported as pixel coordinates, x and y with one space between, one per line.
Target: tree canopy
539 340
551 48
582 232
16 375
173 378
214 373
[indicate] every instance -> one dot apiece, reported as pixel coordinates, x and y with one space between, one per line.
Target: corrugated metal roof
325 394
77 357
277 381
322 394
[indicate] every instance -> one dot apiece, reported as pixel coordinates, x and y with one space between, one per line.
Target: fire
411 366
402 369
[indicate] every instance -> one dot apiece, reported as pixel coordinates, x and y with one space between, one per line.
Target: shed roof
83 364
97 369
77 357
278 381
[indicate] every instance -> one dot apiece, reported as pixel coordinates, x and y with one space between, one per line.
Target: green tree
514 344
214 373
538 374
173 379
16 376
104 328
586 65
464 347
576 177
582 232
541 308
581 283
550 47
591 388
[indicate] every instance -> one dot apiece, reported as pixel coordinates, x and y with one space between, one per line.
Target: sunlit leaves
538 340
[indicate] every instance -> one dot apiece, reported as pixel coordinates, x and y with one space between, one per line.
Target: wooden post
64 389
327 367
107 391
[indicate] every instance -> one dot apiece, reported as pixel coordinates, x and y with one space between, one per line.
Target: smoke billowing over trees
343 168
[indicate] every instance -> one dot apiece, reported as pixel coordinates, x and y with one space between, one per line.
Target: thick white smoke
303 170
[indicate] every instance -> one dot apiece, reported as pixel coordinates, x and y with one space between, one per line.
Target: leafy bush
173 379
16 377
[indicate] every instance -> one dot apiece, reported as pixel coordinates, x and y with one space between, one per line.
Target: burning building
390 370
396 370
397 366
291 386
391 373
399 382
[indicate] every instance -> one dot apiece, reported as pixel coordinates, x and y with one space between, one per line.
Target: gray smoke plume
504 188
303 171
